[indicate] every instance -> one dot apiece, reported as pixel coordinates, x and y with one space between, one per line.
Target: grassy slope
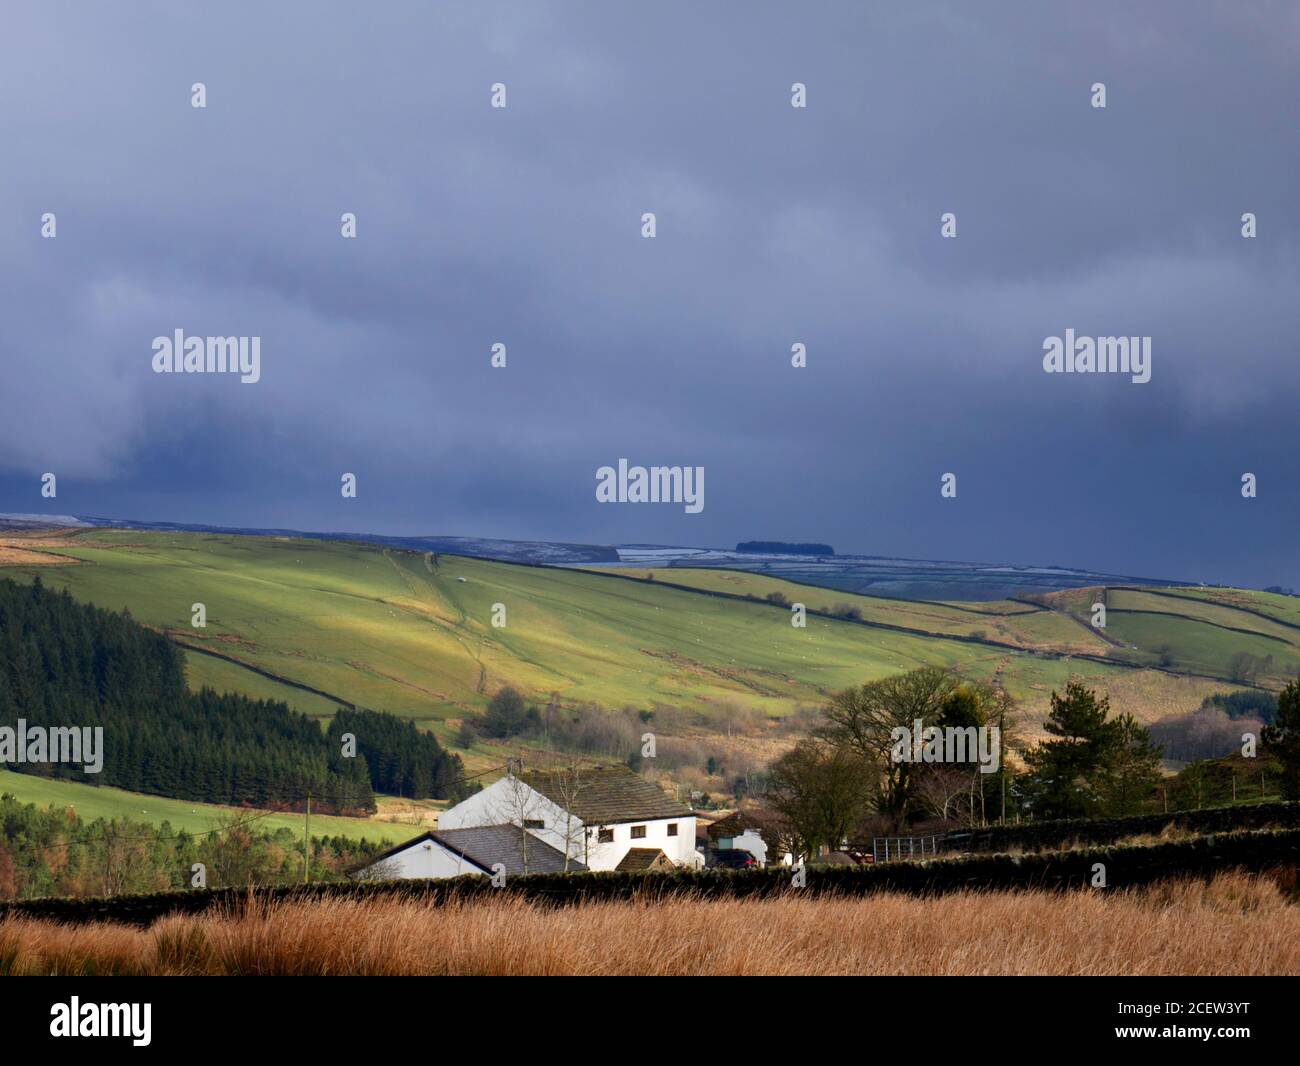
1145 624
1004 621
1283 608
204 670
387 630
1196 630
384 629
92 801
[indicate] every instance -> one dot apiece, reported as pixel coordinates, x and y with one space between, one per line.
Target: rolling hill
321 623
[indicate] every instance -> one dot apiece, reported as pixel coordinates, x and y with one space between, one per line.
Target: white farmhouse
479 850
607 818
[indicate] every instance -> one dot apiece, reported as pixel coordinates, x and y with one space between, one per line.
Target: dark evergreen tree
1131 769
63 664
1283 739
1064 773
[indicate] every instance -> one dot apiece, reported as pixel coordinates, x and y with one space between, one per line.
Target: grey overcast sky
775 225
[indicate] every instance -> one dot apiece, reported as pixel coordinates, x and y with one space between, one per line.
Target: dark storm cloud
775 225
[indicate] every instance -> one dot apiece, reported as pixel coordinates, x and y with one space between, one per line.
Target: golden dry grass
36 547
1236 924
10 555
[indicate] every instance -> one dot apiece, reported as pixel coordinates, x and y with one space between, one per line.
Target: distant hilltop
806 563
780 547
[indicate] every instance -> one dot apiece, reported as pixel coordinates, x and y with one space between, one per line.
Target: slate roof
643 859
607 795
734 825
485 845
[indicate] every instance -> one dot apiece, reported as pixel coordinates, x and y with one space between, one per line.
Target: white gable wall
510 800
424 858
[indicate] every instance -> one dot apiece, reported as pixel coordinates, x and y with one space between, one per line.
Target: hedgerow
1124 866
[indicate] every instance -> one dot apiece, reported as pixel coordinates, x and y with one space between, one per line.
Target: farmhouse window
605 836
534 823
638 832
672 829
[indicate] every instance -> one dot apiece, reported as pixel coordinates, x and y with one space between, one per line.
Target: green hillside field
93 801
1192 631
319 623
390 630
1014 622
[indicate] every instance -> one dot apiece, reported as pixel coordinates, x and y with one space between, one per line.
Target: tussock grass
1234 924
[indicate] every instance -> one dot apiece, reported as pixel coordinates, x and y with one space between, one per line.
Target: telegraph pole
306 843
1002 720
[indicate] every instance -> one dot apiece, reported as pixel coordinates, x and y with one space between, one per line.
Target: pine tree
1064 774
1131 769
1283 739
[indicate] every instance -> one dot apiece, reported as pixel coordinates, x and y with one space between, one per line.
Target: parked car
734 859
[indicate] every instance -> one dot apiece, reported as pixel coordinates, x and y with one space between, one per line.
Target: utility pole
306 844
1002 768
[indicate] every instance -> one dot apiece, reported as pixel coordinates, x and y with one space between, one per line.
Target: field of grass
92 801
389 630
1198 646
1220 615
1002 621
1193 657
1235 924
224 676
394 631
1246 601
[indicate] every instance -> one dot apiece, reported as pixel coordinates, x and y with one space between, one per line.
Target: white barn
606 818
478 850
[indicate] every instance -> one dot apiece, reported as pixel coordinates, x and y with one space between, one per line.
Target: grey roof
516 849
606 795
643 859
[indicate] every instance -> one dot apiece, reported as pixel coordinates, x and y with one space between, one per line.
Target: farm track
1078 622
455 630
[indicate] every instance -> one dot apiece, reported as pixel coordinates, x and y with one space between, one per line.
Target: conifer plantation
67 664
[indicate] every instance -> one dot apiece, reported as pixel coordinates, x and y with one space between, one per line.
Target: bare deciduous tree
863 719
944 791
519 804
820 792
